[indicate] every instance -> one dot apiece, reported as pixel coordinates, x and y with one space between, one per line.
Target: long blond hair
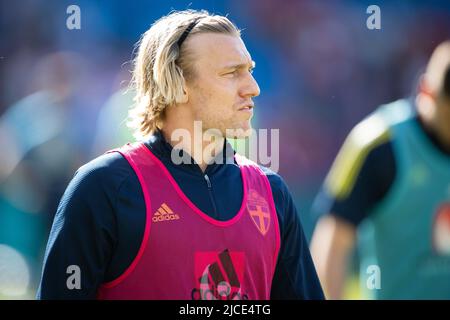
160 67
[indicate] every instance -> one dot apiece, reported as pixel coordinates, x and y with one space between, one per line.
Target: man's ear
425 99
424 87
185 96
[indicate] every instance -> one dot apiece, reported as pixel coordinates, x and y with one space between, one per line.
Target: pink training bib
185 254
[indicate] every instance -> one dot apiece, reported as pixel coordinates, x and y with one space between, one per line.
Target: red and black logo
219 276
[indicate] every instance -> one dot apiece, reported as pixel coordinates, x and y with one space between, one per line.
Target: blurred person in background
111 128
39 155
389 190
137 225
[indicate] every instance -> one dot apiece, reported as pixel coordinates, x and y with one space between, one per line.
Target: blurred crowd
64 97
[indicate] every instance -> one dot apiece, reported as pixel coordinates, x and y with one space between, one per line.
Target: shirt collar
163 150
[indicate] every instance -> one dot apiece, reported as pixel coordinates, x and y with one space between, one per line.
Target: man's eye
251 70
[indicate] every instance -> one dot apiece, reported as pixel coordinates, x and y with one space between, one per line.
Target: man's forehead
220 49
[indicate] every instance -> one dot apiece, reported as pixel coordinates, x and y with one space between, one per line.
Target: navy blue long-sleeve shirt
100 222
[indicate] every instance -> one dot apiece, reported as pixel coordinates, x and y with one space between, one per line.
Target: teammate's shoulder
370 132
398 111
376 128
369 139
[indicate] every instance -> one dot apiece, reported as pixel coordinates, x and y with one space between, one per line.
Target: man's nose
250 87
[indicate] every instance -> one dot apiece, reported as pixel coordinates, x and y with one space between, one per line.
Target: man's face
221 90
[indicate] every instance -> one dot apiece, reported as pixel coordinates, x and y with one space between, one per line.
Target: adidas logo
164 213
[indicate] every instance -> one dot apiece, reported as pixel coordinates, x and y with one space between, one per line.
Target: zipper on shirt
208 182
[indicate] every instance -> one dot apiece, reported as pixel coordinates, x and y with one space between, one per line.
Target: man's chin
239 133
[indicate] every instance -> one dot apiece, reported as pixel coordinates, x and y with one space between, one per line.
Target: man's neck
204 149
435 124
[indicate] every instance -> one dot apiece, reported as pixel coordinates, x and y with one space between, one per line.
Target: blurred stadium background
61 94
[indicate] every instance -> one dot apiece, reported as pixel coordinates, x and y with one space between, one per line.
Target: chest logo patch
259 211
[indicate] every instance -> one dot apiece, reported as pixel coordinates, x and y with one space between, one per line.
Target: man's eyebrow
241 65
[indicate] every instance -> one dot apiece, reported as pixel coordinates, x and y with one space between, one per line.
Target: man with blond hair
159 219
389 191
